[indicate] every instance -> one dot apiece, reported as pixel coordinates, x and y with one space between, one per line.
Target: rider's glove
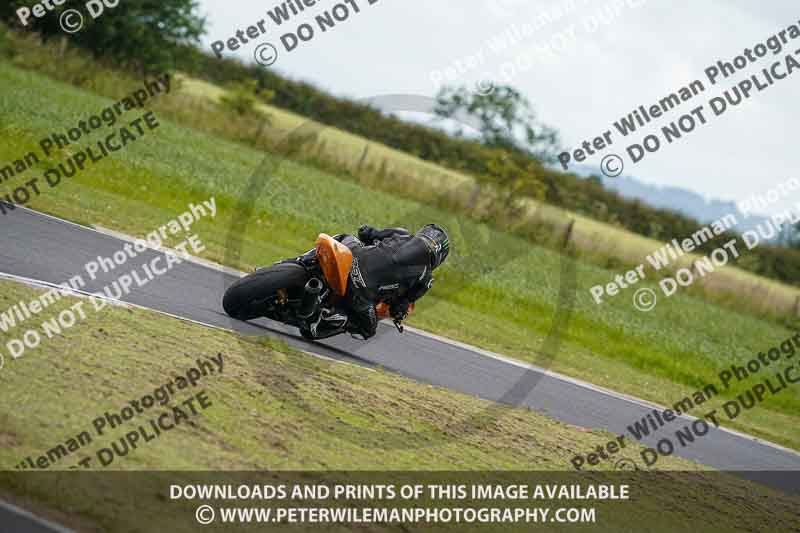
366 234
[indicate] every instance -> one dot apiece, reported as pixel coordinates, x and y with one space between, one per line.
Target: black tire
245 299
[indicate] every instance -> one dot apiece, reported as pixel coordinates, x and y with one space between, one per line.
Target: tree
143 34
505 119
514 180
794 238
789 235
243 97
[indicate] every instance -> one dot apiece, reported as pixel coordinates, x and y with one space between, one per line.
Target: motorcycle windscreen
336 259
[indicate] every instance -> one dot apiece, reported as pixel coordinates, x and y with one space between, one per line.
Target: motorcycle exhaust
310 303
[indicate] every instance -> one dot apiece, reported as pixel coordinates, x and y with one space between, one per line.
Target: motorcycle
302 292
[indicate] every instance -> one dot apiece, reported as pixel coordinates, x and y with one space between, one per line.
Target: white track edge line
187 257
19 511
591 386
122 303
486 353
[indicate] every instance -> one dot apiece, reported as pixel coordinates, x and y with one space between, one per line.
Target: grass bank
274 409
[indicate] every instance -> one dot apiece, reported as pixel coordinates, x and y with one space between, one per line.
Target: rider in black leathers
391 265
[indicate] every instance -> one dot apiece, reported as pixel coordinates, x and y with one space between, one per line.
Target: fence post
797 307
62 49
568 234
472 203
696 273
363 157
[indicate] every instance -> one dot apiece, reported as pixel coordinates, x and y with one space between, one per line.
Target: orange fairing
382 311
335 259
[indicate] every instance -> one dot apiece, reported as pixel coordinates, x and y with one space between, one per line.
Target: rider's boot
327 324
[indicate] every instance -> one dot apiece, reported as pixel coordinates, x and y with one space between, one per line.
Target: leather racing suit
390 265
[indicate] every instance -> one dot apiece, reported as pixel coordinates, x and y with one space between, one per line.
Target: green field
397 172
273 409
499 291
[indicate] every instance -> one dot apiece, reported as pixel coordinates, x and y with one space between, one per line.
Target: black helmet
438 243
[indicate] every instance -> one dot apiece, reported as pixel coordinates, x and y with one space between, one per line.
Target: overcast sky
609 56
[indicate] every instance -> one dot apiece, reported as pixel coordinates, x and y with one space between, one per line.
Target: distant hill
678 199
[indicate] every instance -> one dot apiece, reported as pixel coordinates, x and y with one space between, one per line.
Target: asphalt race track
46 249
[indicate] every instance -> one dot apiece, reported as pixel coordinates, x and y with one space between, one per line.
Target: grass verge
275 409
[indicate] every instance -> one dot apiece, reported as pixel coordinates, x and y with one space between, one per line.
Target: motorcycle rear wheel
256 294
